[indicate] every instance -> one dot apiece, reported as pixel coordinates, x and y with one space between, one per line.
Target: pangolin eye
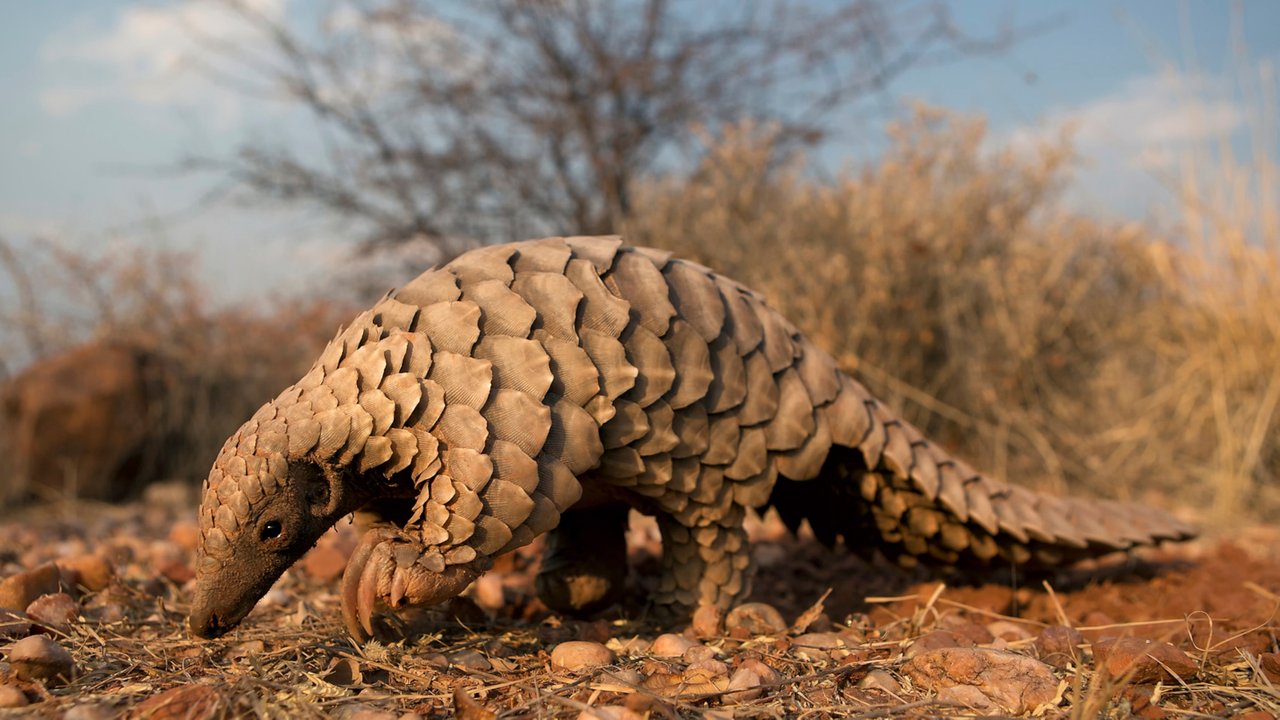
271 529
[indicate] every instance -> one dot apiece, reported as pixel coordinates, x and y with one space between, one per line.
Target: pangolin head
260 512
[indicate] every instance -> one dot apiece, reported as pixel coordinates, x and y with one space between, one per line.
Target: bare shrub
1050 348
206 368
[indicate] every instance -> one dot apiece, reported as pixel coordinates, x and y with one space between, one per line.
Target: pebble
19 591
39 658
768 675
936 640
470 660
1059 645
967 632
12 697
92 572
670 645
880 680
698 653
581 655
13 625
185 534
624 676
1014 682
745 684
1270 664
704 671
1148 661
185 701
324 563
57 611
1009 631
751 619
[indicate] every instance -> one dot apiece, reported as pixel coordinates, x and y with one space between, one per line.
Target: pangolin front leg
702 565
391 567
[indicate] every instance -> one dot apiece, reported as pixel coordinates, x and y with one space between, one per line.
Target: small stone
708 621
704 671
1143 660
670 645
489 593
817 646
936 640
1270 664
1059 645
581 655
698 653
1008 631
186 535
768 675
57 611
745 687
19 591
39 658
880 680
751 619
12 697
92 572
968 633
1014 682
470 660
325 563
13 625
185 701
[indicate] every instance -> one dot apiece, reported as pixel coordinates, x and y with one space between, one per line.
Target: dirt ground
826 635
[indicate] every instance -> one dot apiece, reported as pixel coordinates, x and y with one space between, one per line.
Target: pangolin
547 386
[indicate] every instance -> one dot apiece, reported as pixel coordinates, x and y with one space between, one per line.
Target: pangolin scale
545 387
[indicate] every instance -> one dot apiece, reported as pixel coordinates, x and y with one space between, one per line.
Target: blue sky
98 93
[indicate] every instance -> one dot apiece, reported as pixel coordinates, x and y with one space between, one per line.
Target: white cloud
146 56
1134 140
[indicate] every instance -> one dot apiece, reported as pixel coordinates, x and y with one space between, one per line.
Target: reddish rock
1059 645
751 619
92 572
11 697
13 625
189 702
670 645
880 680
1142 660
967 632
745 684
19 591
57 611
935 640
324 563
581 655
39 658
1013 682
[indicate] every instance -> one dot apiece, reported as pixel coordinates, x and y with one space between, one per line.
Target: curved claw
352 583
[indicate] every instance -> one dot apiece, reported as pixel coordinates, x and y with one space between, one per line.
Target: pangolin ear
314 485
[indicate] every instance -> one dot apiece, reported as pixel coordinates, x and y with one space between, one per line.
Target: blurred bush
1051 349
126 372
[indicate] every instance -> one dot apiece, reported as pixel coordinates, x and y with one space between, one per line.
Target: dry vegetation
1052 349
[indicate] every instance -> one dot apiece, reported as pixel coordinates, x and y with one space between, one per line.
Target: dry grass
1049 348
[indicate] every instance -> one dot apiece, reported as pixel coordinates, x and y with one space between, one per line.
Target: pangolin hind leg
707 564
584 567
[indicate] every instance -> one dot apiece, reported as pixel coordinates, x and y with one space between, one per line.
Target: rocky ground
96 605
